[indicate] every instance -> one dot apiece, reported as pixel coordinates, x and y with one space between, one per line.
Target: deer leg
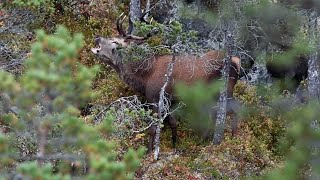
207 133
233 107
213 115
173 126
152 134
234 124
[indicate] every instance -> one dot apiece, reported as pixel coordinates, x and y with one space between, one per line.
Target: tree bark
222 103
313 64
135 14
42 144
147 9
163 107
314 80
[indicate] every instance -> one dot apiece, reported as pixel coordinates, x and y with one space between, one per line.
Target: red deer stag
149 81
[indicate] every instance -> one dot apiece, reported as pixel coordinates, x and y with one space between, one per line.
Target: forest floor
235 158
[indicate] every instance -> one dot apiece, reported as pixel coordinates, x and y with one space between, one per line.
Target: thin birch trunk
222 103
163 108
135 14
313 64
147 10
314 82
42 144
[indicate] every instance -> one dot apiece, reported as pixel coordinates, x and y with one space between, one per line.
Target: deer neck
136 80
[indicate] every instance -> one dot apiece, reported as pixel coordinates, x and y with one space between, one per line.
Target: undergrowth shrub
266 126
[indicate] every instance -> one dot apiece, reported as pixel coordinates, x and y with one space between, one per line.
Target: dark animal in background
290 74
149 81
86 109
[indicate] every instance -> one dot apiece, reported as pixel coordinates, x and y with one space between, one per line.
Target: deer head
107 48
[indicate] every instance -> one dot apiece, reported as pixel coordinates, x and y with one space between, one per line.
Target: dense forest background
64 114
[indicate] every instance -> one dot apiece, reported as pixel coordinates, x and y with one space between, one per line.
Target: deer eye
113 50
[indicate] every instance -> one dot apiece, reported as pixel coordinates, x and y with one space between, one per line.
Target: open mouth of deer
97 47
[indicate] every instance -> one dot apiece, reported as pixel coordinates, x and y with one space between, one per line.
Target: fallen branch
127 116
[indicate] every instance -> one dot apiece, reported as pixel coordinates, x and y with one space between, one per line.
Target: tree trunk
314 80
222 103
135 14
42 144
313 64
163 107
147 9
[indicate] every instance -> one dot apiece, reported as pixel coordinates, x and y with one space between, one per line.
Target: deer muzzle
97 47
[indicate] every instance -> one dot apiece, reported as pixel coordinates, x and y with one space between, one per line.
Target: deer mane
141 67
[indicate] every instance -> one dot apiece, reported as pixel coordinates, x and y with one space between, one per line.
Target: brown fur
186 69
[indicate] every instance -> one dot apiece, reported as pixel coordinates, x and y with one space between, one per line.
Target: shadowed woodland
159 89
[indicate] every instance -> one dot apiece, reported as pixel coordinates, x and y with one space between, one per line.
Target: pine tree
42 133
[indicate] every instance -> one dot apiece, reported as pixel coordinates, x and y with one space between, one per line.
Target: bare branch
163 107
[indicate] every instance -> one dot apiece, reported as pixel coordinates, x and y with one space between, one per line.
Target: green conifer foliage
41 131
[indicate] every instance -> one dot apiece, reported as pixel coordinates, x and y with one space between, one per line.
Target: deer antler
118 21
123 33
135 37
119 25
